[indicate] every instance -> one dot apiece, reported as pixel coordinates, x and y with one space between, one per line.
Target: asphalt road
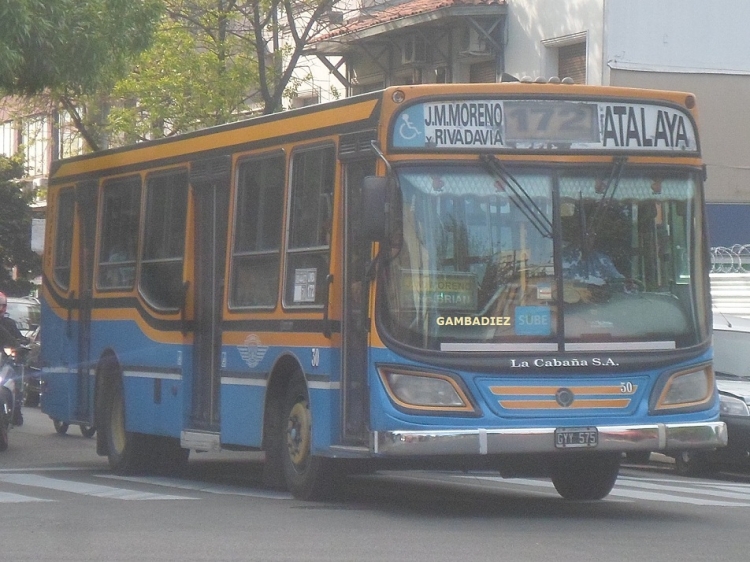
60 503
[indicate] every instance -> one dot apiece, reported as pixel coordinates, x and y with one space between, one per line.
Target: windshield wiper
591 229
519 195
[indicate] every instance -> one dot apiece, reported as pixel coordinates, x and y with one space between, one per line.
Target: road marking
201 487
650 490
7 497
47 469
82 488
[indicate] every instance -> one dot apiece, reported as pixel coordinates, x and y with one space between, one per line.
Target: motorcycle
8 385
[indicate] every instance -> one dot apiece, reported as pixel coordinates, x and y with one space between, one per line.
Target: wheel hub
298 434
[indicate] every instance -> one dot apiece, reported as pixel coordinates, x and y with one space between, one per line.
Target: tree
209 61
15 230
72 48
198 73
271 33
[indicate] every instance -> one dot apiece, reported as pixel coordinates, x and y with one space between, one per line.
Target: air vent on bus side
210 169
356 145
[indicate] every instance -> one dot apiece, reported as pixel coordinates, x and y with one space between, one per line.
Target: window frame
256 254
323 250
64 194
143 261
103 234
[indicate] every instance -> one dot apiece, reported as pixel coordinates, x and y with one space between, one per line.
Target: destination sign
544 124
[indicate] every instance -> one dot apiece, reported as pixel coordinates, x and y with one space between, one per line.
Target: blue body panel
158 385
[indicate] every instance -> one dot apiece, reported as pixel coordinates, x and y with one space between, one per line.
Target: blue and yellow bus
510 276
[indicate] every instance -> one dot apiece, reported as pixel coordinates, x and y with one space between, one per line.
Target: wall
532 24
698 46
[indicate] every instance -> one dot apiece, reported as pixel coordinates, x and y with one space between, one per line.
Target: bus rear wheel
307 476
125 449
585 476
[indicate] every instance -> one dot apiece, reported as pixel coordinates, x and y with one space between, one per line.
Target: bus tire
88 430
585 476
308 477
126 450
60 427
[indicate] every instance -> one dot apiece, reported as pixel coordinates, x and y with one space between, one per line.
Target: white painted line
7 497
201 487
83 488
47 469
678 495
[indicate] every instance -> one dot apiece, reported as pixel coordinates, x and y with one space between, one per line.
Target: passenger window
164 242
257 238
64 237
119 234
310 226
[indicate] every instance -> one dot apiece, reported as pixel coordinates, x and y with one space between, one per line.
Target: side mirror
375 208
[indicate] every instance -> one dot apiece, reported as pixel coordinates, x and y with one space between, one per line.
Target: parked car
26 312
732 368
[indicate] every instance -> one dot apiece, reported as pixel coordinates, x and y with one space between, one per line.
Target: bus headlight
424 391
729 406
686 389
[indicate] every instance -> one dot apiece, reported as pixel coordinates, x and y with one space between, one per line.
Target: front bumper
623 438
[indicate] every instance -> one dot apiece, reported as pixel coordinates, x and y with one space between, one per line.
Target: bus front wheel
585 476
307 476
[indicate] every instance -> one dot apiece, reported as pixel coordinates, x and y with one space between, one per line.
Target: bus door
86 203
354 319
210 182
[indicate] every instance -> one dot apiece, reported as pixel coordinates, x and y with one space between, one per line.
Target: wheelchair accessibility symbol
407 130
407 133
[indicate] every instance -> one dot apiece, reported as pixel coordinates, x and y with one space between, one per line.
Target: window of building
7 138
311 215
164 239
64 237
482 72
71 141
571 62
257 237
35 140
119 233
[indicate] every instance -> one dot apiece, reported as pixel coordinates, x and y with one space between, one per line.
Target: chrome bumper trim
656 437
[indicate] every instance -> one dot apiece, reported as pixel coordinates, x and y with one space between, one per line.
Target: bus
508 276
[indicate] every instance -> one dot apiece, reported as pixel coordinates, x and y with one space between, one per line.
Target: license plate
576 437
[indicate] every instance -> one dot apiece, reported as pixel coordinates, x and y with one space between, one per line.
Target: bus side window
64 237
119 234
310 226
257 239
164 240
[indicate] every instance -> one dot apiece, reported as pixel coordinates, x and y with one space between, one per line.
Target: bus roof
347 115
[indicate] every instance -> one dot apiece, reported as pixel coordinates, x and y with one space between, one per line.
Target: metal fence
734 259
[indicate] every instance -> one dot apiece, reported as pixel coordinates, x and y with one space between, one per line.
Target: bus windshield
546 259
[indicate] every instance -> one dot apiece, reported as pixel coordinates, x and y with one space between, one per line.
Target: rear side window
64 237
164 240
119 234
257 239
